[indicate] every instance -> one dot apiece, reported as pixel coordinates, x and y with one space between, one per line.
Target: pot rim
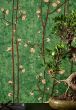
61 104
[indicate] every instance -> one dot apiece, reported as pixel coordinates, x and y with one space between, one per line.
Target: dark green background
28 31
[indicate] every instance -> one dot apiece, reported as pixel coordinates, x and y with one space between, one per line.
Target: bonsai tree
65 28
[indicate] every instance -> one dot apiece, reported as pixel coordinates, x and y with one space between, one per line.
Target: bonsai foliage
65 28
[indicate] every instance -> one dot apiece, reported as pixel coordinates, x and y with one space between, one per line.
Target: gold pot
62 104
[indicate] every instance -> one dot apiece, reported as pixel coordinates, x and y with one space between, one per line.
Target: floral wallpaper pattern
25 37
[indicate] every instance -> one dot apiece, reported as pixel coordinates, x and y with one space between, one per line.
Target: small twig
44 24
41 14
58 7
5 20
13 68
66 90
18 81
17 50
71 69
66 7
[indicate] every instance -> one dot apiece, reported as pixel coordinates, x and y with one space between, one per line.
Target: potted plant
65 28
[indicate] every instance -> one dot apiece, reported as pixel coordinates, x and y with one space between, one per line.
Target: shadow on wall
38 106
27 106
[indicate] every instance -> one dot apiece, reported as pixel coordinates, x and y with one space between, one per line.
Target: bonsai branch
59 7
70 81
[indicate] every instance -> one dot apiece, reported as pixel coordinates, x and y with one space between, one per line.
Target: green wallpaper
31 64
